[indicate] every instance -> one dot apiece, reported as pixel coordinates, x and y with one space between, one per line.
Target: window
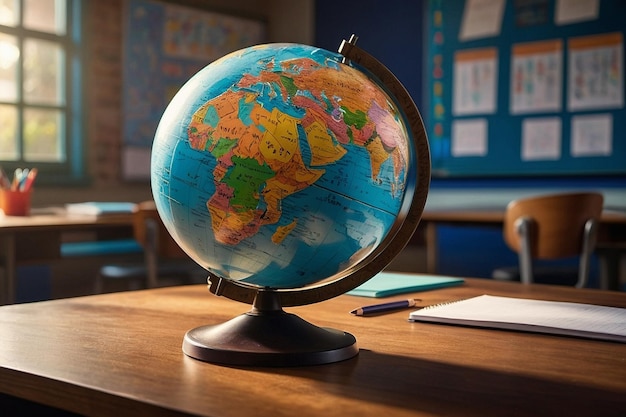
40 88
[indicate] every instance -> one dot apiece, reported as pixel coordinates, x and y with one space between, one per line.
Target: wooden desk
38 238
120 355
612 231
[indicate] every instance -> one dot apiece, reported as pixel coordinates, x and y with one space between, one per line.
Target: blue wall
393 31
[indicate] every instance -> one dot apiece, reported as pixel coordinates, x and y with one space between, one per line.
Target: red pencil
30 178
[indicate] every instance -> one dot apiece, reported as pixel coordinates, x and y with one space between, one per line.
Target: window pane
43 132
45 15
8 133
9 11
43 72
9 54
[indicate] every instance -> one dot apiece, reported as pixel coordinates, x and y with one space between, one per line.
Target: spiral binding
442 304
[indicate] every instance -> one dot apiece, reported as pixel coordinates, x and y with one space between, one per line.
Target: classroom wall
287 21
391 30
394 32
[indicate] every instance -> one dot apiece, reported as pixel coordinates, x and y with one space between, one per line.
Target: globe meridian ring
179 213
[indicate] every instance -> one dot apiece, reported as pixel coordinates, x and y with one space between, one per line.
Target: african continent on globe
280 166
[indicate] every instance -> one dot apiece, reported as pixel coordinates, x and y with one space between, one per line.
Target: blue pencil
385 307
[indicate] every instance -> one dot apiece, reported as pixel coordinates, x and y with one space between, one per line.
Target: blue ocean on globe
280 166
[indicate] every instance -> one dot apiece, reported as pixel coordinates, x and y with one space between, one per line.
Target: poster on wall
596 72
164 45
475 81
536 76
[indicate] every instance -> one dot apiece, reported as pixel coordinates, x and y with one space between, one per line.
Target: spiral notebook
554 317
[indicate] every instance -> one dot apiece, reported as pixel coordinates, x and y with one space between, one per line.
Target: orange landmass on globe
323 148
282 232
267 144
351 89
271 140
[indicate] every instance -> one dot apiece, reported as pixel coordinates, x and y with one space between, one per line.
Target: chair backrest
553 226
158 244
150 232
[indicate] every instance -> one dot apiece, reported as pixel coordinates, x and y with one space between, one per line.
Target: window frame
71 170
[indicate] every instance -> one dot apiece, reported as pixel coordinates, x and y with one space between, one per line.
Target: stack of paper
95 208
554 317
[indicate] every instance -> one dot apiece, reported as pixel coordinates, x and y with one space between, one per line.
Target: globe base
268 338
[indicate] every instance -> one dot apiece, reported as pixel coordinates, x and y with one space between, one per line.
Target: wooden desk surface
120 355
46 220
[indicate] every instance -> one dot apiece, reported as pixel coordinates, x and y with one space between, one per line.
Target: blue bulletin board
526 87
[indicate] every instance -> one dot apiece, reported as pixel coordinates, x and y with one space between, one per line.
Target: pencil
27 183
385 307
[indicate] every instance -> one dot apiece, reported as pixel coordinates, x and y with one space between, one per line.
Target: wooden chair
163 258
551 227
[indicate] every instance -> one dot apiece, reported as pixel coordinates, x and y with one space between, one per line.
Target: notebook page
575 319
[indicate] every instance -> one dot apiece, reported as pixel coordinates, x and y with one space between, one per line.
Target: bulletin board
165 44
526 87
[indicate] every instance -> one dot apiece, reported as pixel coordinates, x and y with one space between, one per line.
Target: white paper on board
574 11
481 19
469 137
541 139
592 135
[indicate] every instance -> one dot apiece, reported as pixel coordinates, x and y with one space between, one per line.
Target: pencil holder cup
15 203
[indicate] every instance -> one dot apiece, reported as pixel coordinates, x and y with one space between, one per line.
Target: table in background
120 354
38 238
486 208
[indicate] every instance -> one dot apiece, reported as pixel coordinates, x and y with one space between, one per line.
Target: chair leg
150 254
98 285
523 227
610 258
589 242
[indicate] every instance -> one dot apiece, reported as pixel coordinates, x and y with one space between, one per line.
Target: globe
280 166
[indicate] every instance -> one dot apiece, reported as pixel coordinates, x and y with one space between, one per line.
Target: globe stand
268 336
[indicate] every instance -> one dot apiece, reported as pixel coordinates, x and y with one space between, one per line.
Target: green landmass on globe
280 166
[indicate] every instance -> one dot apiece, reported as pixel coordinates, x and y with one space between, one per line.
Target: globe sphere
279 166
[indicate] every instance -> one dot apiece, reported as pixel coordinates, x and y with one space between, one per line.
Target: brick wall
103 24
